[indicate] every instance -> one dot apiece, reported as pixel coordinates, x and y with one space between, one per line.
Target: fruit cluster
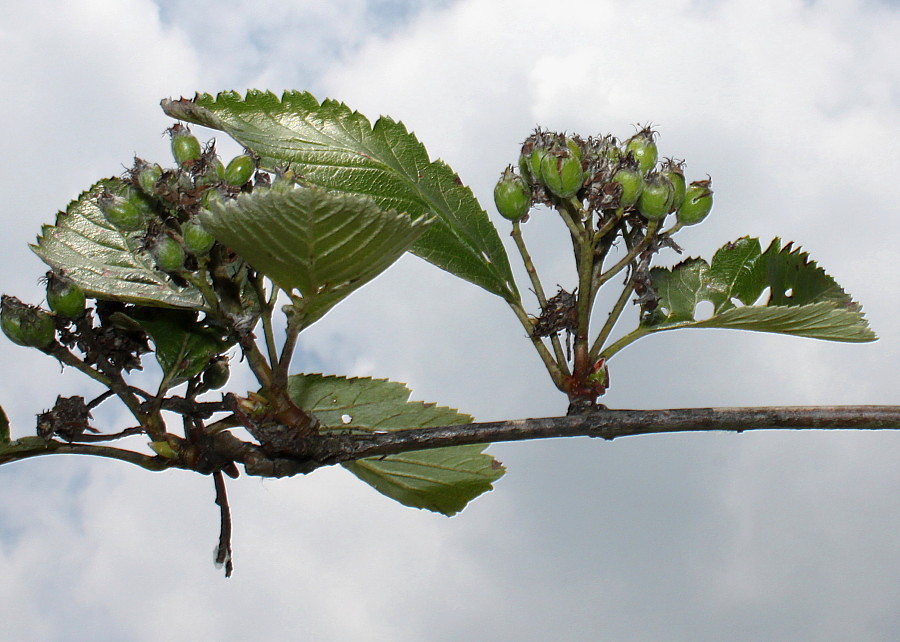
606 175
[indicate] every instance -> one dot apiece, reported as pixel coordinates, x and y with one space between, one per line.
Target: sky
792 107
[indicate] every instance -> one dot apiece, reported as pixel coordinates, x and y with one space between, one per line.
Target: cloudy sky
792 107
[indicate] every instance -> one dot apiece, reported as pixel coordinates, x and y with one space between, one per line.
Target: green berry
64 296
512 196
168 253
643 149
121 212
698 201
655 200
197 240
561 171
185 146
672 171
216 374
147 177
26 325
239 170
632 184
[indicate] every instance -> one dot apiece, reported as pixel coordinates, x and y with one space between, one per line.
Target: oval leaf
443 480
322 244
333 147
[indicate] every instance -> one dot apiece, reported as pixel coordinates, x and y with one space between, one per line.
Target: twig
223 550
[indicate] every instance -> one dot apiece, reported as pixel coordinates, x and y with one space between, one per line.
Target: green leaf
443 480
107 263
4 427
183 346
333 147
803 300
323 244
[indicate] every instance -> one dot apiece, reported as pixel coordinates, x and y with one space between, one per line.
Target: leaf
184 347
336 148
803 300
105 262
323 244
443 480
4 427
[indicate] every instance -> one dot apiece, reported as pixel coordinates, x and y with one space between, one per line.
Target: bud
643 149
64 296
512 196
561 169
26 325
655 200
698 201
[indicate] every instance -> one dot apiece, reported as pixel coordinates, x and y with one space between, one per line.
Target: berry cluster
610 177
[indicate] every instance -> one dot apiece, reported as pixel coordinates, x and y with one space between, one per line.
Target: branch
337 447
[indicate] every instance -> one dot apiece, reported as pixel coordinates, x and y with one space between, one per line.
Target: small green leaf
108 263
803 299
4 427
183 347
323 244
336 148
443 480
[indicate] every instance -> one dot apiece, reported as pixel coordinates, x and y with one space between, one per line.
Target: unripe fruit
239 170
169 254
197 240
632 184
534 163
147 177
643 149
655 200
64 296
26 325
512 196
121 212
698 201
561 170
216 374
185 146
673 172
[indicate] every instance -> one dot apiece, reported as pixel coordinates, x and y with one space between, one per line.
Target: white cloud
791 108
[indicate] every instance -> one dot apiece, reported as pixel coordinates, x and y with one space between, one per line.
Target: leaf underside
105 262
443 480
803 299
330 146
325 245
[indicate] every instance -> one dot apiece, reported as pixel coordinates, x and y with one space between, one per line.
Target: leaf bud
64 296
642 147
655 199
26 325
512 196
698 202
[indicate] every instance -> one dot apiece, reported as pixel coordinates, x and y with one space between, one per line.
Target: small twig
223 550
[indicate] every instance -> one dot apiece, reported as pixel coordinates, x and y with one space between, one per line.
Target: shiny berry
632 183
26 325
239 170
655 200
698 201
672 170
64 296
185 146
512 196
643 149
561 170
